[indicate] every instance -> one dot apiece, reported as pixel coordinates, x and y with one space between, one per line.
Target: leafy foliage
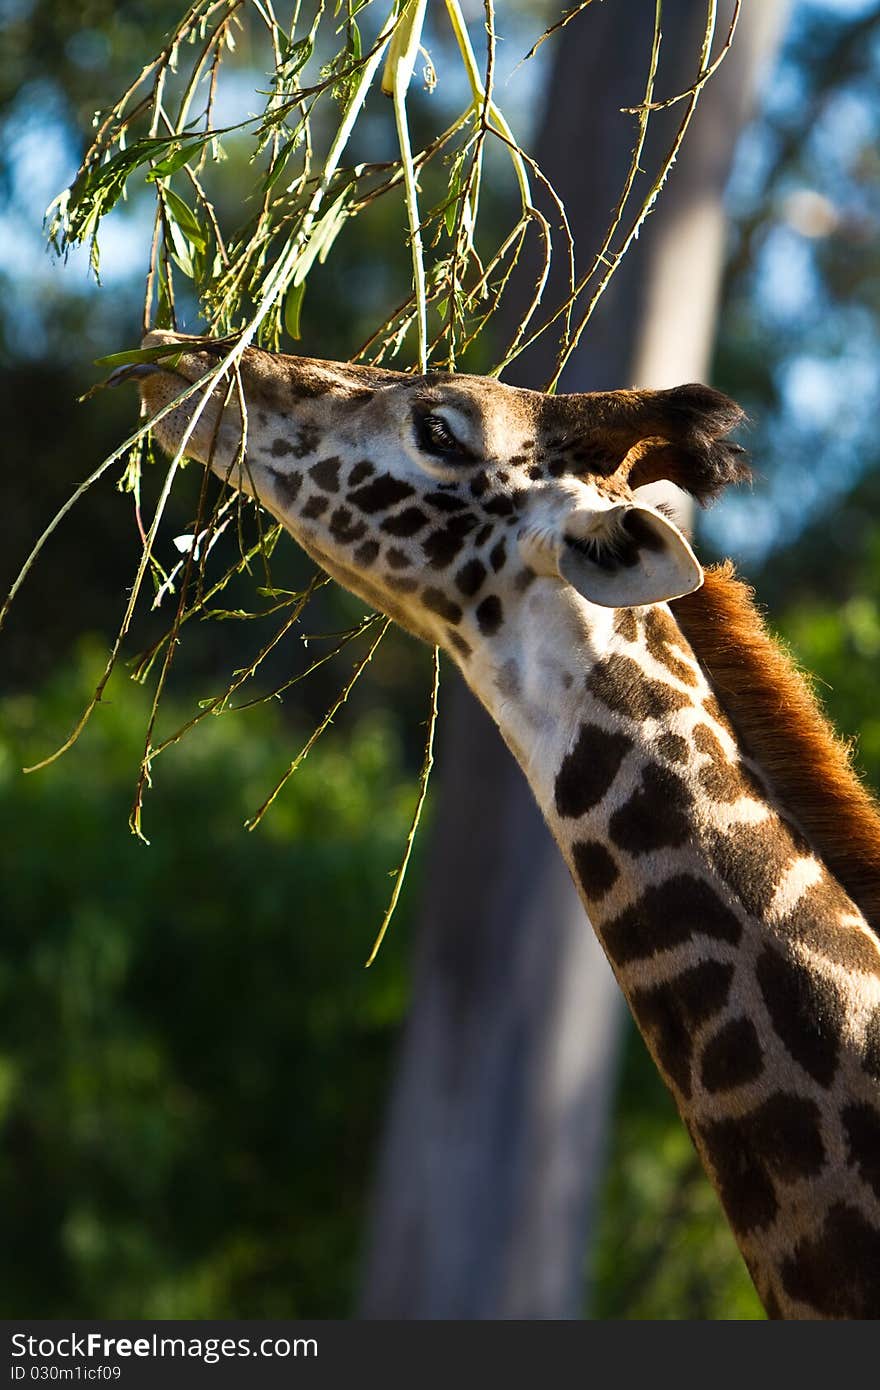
192 1058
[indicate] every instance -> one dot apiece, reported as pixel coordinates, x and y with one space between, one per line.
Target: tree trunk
499 1114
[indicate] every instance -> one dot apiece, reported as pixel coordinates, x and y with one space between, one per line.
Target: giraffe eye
435 437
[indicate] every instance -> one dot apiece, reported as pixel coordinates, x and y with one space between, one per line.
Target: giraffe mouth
176 355
207 423
138 371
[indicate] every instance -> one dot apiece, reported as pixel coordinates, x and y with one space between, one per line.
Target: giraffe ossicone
727 856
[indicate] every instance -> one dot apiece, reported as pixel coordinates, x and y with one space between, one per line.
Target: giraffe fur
509 528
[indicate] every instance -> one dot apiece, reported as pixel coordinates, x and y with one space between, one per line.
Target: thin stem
424 778
672 155
220 703
254 820
401 61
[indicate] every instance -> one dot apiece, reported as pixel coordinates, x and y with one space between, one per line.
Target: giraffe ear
627 557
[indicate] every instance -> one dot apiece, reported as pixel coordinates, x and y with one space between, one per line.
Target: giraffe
725 853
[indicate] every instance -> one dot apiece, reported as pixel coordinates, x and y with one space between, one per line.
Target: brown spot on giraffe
441 547
732 1057
673 747
589 769
722 779
366 554
625 623
595 868
657 814
403 584
669 1013
360 472
443 502
715 712
621 684
780 1139
490 615
305 442
661 633
315 507
406 523
437 602
498 556
469 579
326 474
459 643
524 580
752 859
508 680
677 910
819 921
381 494
861 1125
344 528
287 485
806 1010
835 1272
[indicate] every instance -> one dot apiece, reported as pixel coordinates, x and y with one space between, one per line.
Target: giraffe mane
781 725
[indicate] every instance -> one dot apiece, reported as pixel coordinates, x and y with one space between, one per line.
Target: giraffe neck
751 975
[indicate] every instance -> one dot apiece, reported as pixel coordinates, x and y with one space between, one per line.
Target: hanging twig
424 778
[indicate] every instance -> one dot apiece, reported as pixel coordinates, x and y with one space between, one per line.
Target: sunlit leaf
151 354
182 214
293 308
170 165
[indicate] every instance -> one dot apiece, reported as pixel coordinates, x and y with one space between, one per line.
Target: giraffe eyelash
435 437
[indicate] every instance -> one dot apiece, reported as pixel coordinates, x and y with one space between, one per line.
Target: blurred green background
193 1062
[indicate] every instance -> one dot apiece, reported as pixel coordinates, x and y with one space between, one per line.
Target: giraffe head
441 498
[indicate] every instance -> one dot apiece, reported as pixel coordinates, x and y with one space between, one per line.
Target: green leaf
293 308
297 57
355 46
166 167
279 164
181 249
151 354
182 214
97 189
324 233
455 179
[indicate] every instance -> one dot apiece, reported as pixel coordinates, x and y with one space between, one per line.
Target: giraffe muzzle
134 371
